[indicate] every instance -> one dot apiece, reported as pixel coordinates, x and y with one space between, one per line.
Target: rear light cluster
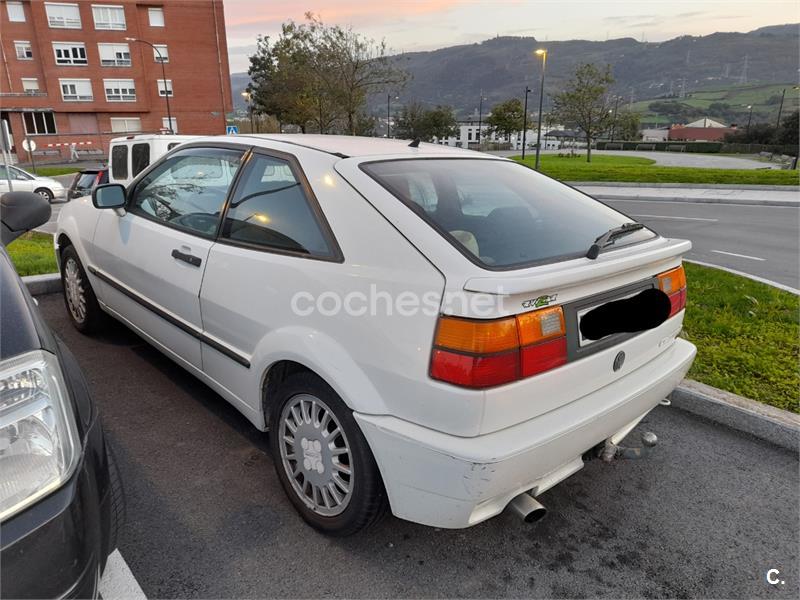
484 353
673 284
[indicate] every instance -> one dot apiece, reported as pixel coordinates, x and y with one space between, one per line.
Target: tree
626 126
586 102
409 123
506 118
439 123
788 133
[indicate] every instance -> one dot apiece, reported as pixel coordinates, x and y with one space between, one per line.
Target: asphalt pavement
707 514
760 241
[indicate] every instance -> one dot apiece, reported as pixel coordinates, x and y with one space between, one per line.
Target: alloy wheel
74 291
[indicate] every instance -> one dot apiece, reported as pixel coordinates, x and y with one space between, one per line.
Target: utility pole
614 121
780 110
525 121
543 53
749 119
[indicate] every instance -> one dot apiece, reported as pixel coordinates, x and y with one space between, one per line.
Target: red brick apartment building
70 76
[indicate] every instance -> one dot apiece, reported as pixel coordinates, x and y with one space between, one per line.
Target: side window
119 162
270 209
140 158
188 189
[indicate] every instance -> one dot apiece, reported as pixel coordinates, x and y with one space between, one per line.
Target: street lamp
480 119
248 96
163 76
389 114
543 53
780 108
749 119
525 122
614 121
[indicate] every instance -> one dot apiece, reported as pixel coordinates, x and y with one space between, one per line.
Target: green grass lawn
747 336
52 171
606 167
32 254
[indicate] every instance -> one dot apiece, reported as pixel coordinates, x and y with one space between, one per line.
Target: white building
467 137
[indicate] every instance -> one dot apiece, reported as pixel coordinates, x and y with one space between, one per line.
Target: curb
39 285
711 186
774 425
702 200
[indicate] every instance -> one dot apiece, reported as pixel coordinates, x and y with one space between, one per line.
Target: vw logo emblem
619 360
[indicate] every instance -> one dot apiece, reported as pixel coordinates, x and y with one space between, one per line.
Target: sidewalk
751 195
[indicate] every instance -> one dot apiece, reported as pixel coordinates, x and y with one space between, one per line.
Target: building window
39 123
108 17
120 90
156 16
30 85
24 50
165 87
63 16
16 14
76 90
162 48
114 55
125 124
165 124
70 53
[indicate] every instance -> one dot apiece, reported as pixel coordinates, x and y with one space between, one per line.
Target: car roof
348 146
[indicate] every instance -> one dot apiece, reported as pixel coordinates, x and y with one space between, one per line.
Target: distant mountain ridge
503 66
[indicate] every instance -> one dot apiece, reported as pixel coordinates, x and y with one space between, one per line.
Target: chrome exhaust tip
527 507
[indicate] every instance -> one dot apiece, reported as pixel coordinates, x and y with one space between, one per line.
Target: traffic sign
231 130
29 145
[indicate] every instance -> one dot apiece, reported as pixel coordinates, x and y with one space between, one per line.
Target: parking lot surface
706 515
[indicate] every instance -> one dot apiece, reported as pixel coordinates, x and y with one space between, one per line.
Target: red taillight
673 284
481 353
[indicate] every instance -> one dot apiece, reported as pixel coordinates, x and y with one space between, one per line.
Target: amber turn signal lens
479 337
672 281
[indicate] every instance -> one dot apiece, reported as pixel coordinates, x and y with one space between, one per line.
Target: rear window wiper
611 235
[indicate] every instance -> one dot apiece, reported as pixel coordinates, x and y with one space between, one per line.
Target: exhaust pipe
527 507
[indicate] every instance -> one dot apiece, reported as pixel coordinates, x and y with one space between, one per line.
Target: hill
503 66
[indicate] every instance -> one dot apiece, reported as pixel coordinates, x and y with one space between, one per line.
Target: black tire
116 501
93 316
367 501
45 193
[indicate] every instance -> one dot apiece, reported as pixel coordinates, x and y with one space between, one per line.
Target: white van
130 155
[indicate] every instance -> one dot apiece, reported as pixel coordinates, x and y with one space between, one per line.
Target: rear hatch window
500 214
86 180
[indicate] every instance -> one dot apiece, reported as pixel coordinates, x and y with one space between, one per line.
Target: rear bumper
447 481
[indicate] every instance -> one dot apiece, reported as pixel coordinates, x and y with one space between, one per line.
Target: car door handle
195 261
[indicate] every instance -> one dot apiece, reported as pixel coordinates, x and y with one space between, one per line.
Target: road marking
780 286
739 255
676 218
685 202
118 582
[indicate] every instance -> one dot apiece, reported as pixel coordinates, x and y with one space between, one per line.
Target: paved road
672 159
705 516
765 238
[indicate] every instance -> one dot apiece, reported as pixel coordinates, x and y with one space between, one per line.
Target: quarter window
120 90
108 17
63 16
70 54
23 50
114 55
119 162
39 123
16 14
188 189
270 209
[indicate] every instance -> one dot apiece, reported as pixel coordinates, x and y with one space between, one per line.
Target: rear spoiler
581 270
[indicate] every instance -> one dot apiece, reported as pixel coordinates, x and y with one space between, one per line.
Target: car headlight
39 444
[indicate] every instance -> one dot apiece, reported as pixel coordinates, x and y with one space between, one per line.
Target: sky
411 25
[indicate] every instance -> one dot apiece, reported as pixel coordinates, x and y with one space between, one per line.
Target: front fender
77 222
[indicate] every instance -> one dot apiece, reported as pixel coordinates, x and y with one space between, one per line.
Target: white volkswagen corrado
426 329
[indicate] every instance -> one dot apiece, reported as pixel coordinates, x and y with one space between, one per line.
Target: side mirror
110 195
22 211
